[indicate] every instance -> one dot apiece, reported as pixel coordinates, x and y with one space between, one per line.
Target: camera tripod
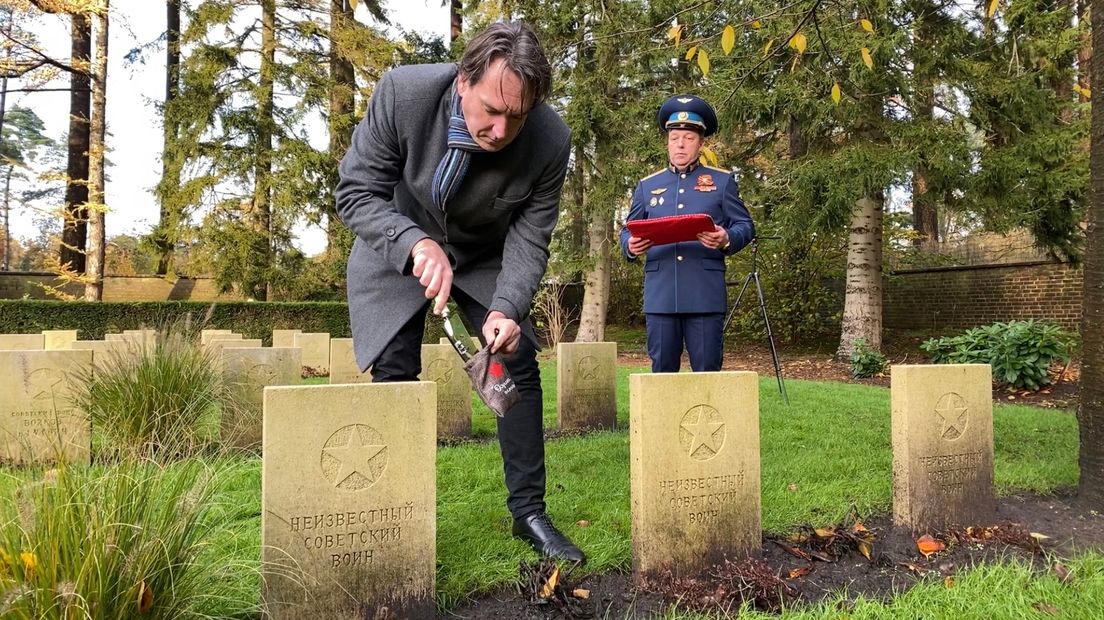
754 277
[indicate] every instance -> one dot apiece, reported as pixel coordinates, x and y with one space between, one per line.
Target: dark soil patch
807 568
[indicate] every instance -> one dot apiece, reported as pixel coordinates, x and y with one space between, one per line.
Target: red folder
663 230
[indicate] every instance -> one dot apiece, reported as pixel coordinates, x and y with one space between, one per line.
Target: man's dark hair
519 48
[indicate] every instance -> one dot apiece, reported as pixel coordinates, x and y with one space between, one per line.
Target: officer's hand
501 332
639 246
715 239
432 268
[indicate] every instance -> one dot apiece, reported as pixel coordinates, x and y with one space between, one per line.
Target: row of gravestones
349 501
38 423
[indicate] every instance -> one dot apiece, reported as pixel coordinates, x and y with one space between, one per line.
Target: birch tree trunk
862 308
97 204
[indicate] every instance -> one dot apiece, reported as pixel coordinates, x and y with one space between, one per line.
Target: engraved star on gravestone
702 432
588 369
953 416
440 371
354 457
44 382
262 374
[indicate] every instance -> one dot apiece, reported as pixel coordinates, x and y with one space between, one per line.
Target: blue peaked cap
687 112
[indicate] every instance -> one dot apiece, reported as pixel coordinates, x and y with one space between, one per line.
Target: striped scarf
454 165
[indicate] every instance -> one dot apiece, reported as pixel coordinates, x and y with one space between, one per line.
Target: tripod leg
770 339
736 304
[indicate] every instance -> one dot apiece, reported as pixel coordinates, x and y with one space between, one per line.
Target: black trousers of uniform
520 431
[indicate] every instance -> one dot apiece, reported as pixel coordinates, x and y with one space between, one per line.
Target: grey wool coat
502 214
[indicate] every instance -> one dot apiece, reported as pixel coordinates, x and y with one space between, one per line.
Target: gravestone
22 342
206 335
284 337
942 445
348 491
105 353
343 364
694 469
586 385
38 420
208 340
443 365
58 339
143 337
245 374
316 351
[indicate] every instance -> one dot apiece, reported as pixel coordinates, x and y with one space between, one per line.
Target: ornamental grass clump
122 541
158 398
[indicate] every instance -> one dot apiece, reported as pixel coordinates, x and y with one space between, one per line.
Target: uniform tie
454 165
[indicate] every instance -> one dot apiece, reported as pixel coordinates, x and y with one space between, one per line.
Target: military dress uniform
684 283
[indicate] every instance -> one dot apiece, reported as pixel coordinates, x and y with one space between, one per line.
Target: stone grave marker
343 364
284 337
586 385
22 342
443 365
206 335
58 339
245 374
38 420
942 445
694 469
348 515
316 351
105 353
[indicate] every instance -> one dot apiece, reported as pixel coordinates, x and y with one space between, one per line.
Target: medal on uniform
661 200
654 201
705 183
658 191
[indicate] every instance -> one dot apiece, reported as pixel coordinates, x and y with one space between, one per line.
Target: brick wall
16 284
959 297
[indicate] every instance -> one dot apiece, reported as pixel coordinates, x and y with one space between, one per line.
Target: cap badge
683 116
684 99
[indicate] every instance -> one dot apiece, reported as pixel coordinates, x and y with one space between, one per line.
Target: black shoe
537 530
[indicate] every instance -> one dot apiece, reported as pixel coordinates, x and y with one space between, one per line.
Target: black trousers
520 431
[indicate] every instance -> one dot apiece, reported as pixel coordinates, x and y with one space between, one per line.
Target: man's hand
502 333
716 239
432 268
638 246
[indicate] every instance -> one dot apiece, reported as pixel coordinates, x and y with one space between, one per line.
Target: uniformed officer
684 282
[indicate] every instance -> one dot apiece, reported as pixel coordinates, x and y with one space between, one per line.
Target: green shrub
153 399
866 361
1020 352
119 542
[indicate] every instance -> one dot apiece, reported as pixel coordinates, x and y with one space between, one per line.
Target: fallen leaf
550 585
582 523
797 537
794 551
865 548
1047 609
800 571
1039 537
949 582
825 532
928 545
859 527
792 487
145 597
582 593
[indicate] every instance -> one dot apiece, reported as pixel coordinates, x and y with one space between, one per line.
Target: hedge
250 318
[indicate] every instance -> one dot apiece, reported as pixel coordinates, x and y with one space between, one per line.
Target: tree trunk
592 318
169 222
75 232
342 109
263 168
862 308
1090 414
7 223
1084 53
456 20
97 207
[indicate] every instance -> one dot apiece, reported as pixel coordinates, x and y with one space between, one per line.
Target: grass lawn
825 454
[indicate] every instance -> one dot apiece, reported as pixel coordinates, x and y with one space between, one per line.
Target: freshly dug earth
808 565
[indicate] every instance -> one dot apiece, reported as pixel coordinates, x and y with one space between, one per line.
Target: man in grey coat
452 186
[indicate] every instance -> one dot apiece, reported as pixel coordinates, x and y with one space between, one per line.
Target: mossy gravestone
444 366
316 351
348 514
586 385
343 364
694 469
246 372
942 445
